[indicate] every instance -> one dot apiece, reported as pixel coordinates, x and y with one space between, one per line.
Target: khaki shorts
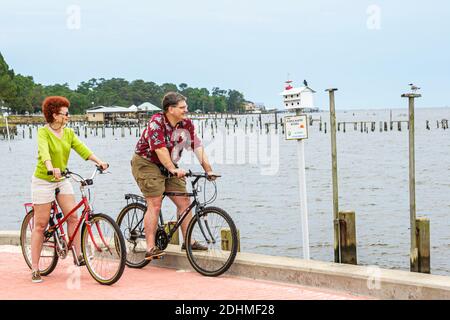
151 181
43 191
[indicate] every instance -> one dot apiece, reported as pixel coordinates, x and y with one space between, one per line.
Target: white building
120 114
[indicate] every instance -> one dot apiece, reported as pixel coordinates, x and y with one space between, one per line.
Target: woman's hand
103 165
57 173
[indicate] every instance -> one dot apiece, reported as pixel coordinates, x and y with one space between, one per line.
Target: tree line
20 94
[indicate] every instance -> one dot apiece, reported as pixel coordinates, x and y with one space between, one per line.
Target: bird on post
305 83
414 88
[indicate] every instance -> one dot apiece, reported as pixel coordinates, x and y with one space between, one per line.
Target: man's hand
211 176
179 173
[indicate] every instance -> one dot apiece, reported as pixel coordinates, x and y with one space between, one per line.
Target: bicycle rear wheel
49 257
210 229
103 249
131 223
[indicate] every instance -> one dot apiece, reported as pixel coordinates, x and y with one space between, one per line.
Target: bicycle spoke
221 248
101 246
131 224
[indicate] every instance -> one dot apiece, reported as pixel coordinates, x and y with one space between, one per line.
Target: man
156 155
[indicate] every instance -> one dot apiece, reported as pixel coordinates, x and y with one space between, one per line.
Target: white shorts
43 191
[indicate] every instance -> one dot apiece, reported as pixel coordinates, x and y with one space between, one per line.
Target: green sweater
57 150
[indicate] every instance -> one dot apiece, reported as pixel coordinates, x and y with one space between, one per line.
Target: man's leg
182 203
151 220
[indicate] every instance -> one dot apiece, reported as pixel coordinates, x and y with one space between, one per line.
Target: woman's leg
41 217
67 202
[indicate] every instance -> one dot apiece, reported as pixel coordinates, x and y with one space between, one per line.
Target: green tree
7 86
23 100
235 101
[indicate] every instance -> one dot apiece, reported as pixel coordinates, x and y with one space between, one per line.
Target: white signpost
296 128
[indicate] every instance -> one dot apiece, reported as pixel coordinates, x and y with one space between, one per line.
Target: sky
369 50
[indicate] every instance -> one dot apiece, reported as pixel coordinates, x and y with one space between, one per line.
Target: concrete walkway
68 282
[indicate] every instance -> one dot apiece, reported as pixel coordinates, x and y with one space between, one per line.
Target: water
263 198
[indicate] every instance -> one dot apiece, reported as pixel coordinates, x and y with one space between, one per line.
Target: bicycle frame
183 215
85 215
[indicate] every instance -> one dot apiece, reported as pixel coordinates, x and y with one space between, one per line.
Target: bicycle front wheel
213 229
103 249
49 258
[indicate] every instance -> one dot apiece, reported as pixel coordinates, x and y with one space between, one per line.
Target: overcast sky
370 50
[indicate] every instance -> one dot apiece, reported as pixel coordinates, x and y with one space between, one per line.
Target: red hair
52 105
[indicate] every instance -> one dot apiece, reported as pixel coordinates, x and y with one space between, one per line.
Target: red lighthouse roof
288 85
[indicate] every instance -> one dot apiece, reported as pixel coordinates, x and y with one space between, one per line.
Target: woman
55 142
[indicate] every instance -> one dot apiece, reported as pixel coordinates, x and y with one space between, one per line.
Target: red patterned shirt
159 133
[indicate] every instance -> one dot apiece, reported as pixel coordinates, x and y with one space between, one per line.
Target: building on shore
116 114
251 107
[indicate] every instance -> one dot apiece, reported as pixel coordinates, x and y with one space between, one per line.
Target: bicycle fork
207 228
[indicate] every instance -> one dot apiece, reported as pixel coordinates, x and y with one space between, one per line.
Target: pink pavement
149 283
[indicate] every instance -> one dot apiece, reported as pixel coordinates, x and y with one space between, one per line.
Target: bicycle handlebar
69 174
200 175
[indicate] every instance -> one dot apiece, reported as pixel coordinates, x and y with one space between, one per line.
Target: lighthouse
297 98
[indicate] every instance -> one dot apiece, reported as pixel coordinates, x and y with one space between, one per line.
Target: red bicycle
102 243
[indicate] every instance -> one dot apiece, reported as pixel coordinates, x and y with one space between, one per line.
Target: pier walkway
68 282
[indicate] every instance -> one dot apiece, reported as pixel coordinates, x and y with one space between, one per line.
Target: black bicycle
211 227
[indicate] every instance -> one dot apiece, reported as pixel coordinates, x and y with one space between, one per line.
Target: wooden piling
334 174
276 121
347 227
414 265
423 244
227 239
176 236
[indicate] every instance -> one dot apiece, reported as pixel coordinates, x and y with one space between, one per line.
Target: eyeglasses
182 108
64 114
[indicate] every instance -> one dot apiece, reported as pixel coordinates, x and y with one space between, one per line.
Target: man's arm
203 159
164 156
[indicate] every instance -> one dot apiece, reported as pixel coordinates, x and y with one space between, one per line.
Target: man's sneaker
196 246
36 276
154 253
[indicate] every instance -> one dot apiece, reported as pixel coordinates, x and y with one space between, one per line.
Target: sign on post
296 127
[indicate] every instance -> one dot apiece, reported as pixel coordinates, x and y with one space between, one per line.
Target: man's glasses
64 114
182 108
